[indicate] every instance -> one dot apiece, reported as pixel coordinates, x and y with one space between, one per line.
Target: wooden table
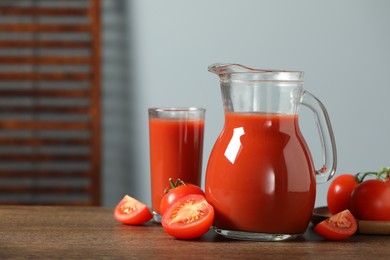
93 233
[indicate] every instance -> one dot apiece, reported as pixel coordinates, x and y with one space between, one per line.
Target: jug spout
228 68
245 89
240 72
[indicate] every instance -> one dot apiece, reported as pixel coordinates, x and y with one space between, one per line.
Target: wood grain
91 232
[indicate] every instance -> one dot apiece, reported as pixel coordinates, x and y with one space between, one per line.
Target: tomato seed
127 209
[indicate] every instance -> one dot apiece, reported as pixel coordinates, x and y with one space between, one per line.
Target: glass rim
179 113
176 109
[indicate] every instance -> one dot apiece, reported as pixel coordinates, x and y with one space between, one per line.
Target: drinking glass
176 149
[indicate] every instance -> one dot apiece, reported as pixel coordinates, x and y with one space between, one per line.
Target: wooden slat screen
50 102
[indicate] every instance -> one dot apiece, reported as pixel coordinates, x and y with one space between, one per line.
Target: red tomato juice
265 181
175 152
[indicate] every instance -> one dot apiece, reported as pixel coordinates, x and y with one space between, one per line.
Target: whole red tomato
178 190
339 192
370 200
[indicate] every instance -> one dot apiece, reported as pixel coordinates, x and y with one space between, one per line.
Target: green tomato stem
362 175
384 173
173 185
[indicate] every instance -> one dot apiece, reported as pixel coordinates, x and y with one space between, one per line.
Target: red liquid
175 152
265 184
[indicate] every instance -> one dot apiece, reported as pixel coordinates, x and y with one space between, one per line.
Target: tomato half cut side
190 217
337 227
177 192
131 211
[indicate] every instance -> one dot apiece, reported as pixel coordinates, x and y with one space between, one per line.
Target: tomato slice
337 227
131 211
190 217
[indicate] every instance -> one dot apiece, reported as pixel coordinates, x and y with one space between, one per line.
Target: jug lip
222 69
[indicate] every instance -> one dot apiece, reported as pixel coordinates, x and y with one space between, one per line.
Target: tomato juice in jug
260 176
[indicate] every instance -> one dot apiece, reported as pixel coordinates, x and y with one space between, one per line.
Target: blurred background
342 46
156 53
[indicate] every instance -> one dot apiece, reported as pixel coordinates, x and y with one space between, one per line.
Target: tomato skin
190 217
337 227
131 211
370 200
176 193
339 192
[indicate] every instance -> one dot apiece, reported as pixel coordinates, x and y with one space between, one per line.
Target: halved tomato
177 191
131 211
190 217
337 227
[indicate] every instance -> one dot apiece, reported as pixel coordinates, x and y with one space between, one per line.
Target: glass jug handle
326 135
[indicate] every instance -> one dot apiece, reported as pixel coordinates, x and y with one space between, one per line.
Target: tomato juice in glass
260 176
176 148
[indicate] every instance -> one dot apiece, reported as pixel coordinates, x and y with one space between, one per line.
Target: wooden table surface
93 233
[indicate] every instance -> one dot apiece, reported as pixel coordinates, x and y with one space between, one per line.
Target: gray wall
166 46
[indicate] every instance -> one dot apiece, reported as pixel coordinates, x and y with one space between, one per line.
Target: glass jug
260 176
